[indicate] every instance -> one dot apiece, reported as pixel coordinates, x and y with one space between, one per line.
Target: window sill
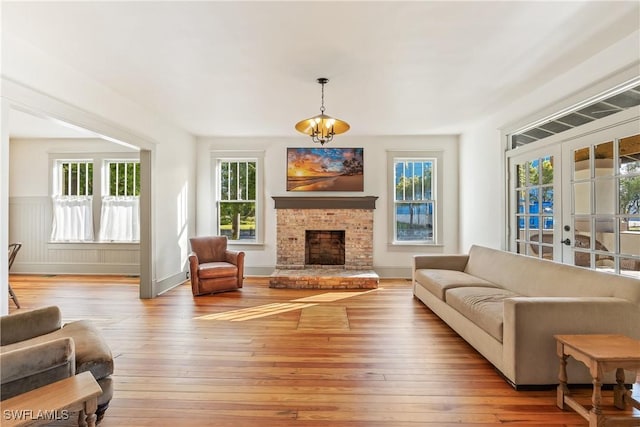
238 245
94 245
415 244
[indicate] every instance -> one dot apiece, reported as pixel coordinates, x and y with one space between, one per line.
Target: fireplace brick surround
296 215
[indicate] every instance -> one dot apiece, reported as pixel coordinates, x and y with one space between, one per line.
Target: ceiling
249 68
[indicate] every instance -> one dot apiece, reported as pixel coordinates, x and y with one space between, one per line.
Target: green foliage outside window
76 178
237 200
124 178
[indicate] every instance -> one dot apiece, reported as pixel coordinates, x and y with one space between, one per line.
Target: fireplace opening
324 247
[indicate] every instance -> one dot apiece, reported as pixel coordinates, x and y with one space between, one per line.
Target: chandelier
322 127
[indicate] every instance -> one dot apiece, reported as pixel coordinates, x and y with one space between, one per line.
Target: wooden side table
55 400
600 353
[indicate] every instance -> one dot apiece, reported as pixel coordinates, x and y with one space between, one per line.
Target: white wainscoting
30 224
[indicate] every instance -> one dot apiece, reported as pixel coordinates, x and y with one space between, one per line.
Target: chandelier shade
322 127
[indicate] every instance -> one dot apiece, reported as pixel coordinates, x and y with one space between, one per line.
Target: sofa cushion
213 270
439 281
92 352
482 305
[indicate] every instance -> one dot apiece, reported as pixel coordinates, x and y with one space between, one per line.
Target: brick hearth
324 278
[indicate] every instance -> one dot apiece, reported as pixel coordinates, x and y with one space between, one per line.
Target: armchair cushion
91 351
212 270
25 325
27 368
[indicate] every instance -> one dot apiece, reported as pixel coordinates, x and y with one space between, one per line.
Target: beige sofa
509 306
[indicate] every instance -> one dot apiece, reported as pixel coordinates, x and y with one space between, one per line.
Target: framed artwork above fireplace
325 169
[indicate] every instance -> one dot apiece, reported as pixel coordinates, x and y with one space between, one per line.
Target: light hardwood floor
264 357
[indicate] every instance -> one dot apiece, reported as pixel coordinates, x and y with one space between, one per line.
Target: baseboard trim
168 283
76 268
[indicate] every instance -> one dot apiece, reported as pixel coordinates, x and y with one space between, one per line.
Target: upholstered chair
37 349
214 268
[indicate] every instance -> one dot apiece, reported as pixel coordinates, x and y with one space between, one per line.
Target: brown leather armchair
213 267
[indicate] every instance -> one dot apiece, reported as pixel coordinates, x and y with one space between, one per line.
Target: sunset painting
325 169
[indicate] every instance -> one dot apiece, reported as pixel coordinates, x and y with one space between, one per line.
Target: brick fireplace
331 216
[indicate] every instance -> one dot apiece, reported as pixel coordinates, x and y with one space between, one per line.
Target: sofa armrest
28 368
531 322
441 261
25 325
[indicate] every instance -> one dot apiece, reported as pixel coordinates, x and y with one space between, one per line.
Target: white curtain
72 219
120 219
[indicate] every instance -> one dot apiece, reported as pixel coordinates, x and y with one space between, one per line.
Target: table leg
595 417
562 390
88 413
619 390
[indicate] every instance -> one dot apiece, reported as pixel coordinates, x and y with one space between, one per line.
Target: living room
429 79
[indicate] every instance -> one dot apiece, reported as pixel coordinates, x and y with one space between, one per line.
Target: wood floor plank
288 357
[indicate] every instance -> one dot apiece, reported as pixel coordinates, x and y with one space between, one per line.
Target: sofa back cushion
537 277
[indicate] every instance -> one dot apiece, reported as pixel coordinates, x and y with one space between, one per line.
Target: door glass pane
629 195
630 267
604 159
521 174
605 237
605 196
629 155
547 170
547 200
630 236
582 259
534 175
534 201
581 164
582 198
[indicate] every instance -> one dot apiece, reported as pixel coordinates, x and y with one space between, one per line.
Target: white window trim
239 155
438 195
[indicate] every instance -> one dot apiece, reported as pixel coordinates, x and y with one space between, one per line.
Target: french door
534 203
601 203
578 201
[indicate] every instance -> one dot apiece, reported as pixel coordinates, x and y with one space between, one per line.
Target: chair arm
236 258
193 272
25 325
27 368
441 261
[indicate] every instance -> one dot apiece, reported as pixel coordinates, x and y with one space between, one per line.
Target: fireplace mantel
325 202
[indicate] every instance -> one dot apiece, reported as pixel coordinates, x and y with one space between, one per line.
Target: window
120 211
116 204
414 200
237 200
72 201
124 178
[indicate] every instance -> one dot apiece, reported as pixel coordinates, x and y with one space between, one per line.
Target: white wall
482 176
63 93
389 261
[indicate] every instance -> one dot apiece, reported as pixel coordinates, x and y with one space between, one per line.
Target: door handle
567 241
